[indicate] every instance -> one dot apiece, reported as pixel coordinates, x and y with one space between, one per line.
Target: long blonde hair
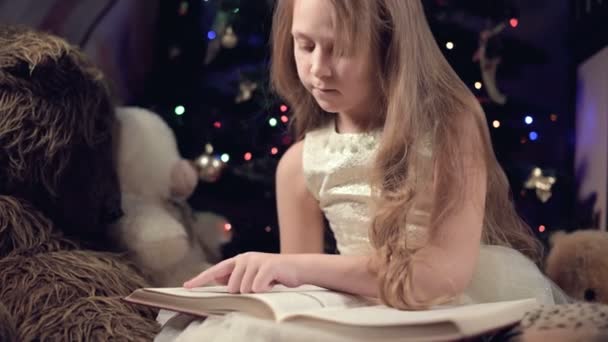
423 105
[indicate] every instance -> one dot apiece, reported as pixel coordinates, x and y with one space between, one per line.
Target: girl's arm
351 274
442 269
445 266
301 260
300 218
301 226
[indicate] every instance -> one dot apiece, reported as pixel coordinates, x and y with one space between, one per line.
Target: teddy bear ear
555 237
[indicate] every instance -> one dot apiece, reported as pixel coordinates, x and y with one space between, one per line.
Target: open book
339 313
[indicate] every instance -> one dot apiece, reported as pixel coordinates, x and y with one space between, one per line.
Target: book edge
259 308
156 305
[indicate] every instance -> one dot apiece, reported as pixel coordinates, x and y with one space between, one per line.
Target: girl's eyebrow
298 34
301 35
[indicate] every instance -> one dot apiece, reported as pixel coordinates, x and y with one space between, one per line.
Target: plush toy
169 242
59 193
578 263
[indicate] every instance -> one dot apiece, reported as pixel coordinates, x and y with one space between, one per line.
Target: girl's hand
251 272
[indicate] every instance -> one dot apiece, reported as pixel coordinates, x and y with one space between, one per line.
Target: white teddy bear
169 242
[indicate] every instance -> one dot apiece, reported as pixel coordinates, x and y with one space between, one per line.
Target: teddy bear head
578 263
149 163
56 122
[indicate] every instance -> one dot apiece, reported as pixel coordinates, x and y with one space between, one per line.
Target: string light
225 157
211 35
529 120
203 161
542 228
553 117
227 227
284 118
208 148
179 110
274 151
217 124
449 45
272 122
268 229
533 136
248 156
236 10
477 85
183 8
496 123
283 108
514 22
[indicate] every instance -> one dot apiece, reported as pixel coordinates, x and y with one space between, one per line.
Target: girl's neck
348 124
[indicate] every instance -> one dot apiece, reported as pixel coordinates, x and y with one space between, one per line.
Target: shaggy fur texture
56 121
7 325
58 193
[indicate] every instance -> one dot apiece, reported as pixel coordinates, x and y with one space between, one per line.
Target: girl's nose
321 66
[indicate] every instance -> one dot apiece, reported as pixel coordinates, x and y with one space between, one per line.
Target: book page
281 300
467 317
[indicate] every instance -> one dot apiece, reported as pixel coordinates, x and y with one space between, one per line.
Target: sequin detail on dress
337 169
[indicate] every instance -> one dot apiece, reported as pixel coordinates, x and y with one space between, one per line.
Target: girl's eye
307 47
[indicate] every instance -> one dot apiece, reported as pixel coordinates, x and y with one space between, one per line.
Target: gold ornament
209 167
246 89
229 38
542 184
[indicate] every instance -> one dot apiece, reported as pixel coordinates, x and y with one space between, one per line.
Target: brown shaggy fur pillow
7 325
56 121
58 194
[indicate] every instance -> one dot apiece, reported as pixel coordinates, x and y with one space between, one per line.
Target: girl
394 151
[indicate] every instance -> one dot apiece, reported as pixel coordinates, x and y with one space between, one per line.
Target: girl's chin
328 107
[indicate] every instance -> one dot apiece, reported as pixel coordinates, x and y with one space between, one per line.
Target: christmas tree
211 85
533 142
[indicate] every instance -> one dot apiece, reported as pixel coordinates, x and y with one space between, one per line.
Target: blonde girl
395 153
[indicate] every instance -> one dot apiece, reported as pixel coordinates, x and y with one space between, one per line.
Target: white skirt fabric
502 274
505 274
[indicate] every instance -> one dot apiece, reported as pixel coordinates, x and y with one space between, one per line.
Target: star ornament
541 183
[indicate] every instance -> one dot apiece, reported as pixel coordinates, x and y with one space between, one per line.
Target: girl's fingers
248 277
264 280
234 283
223 280
223 269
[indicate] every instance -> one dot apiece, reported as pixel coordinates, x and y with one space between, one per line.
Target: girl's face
339 84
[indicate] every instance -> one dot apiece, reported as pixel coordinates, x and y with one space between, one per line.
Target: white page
464 316
281 299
